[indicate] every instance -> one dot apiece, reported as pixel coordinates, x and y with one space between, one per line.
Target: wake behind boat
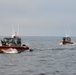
12 45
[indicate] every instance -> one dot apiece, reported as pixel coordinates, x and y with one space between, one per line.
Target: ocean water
47 58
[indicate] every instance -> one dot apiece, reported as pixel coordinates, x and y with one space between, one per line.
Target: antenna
18 30
67 33
13 29
15 33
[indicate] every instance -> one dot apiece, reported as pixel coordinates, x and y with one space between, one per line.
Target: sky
38 17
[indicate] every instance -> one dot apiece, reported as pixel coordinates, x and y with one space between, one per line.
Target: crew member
3 42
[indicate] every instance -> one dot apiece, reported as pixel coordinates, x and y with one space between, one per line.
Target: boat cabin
8 41
67 39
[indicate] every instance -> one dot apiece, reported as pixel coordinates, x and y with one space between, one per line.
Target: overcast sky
38 17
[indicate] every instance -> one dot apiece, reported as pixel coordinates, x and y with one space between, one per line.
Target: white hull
10 51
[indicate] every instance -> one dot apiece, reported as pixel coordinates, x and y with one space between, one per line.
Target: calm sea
47 58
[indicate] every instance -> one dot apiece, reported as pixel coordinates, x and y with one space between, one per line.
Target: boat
66 40
12 45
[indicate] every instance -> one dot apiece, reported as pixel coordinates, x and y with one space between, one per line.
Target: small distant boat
66 40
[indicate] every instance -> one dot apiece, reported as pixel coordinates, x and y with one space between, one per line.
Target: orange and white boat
12 45
66 40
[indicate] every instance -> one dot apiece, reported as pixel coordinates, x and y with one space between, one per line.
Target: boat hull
5 49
